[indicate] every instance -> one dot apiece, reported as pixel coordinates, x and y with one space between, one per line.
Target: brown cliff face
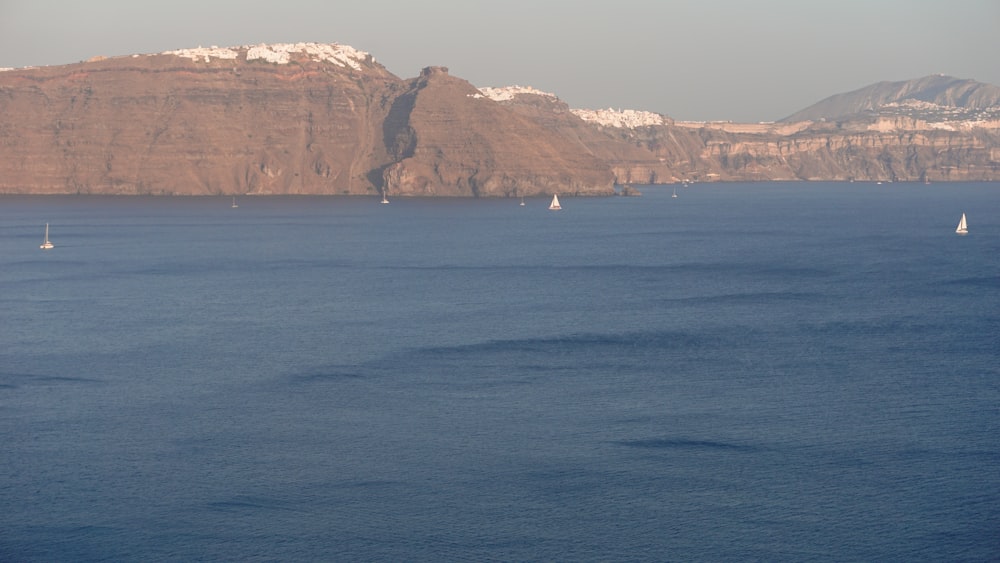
450 140
165 124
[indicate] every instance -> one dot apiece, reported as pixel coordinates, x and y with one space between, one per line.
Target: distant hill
937 89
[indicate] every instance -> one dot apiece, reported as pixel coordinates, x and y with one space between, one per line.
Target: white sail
963 227
555 203
384 199
46 244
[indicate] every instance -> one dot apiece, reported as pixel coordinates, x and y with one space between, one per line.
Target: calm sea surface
746 372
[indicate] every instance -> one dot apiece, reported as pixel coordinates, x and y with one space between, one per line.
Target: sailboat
384 199
522 201
963 226
47 244
234 203
554 206
675 193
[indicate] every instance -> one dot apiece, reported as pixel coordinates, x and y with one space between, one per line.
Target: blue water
778 372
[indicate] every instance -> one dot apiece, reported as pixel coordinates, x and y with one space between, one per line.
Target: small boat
675 193
46 244
554 206
234 203
963 226
522 201
384 199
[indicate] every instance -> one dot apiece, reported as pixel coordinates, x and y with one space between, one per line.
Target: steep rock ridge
455 141
262 119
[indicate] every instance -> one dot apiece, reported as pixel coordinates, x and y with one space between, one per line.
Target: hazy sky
692 60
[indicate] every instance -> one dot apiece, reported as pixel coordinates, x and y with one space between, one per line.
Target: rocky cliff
328 119
273 119
851 150
449 139
213 121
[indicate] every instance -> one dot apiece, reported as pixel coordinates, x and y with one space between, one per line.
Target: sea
746 372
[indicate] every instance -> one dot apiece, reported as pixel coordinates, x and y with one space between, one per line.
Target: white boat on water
47 244
675 193
234 203
963 226
554 206
384 199
522 201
